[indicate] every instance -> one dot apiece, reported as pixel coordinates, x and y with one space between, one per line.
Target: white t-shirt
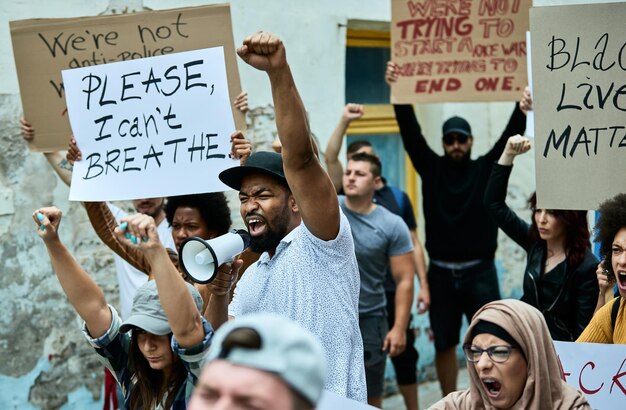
316 284
129 278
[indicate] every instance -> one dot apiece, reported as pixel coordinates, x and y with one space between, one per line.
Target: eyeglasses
498 354
449 139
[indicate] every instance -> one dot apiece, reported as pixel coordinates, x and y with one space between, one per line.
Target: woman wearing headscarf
512 363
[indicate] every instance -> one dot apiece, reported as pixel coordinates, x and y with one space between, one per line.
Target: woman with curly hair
608 325
559 278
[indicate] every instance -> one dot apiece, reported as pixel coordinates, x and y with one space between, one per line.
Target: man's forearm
403 303
216 311
291 121
333 165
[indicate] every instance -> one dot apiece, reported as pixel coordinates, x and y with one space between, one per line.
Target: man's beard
273 234
460 160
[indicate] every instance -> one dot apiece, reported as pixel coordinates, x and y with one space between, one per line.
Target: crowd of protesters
327 287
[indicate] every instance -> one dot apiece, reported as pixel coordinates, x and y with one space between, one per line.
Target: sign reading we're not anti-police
152 127
44 47
579 98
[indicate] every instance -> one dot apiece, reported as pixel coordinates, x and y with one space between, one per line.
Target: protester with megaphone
307 271
158 364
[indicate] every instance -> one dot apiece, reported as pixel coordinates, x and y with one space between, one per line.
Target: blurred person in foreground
261 361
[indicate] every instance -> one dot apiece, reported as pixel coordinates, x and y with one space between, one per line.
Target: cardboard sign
459 50
153 127
44 47
579 102
597 370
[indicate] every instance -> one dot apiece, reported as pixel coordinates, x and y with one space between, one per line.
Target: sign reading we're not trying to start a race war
152 127
579 99
459 50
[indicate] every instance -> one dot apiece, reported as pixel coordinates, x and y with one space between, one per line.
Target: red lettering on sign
580 381
616 380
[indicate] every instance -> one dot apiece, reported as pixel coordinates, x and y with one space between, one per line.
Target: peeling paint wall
45 362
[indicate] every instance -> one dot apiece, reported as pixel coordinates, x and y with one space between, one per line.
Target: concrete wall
45 363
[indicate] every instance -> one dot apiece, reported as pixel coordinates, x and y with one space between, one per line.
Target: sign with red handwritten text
579 100
459 50
597 370
153 127
44 47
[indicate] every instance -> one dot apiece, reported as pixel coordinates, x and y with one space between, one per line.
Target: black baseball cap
262 162
458 125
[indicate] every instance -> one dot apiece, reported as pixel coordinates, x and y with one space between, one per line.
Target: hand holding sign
391 74
526 104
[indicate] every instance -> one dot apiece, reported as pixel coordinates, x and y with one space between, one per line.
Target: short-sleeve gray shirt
378 236
316 284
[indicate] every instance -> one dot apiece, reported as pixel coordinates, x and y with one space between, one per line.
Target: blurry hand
241 148
73 153
391 74
526 103
241 102
28 133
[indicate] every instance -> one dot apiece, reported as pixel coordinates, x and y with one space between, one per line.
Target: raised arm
312 189
104 224
82 292
182 314
334 168
421 155
56 159
495 193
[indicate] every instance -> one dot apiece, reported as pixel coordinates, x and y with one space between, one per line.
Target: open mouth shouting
256 225
620 277
492 387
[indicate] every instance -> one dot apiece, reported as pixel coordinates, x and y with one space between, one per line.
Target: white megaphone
200 258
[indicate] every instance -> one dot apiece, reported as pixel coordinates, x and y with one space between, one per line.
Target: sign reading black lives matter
579 85
153 127
44 47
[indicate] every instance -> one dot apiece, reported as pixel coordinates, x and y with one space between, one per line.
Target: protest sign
44 47
459 50
598 370
579 102
153 127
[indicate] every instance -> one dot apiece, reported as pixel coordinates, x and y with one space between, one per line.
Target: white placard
598 370
530 115
151 127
